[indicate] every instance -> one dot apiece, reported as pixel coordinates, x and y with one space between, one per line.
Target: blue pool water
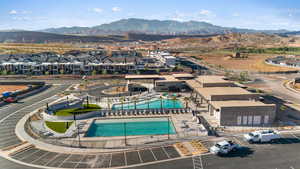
154 104
131 128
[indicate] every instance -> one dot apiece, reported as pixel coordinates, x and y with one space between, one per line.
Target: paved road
12 113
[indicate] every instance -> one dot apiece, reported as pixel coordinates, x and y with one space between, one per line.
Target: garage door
257 120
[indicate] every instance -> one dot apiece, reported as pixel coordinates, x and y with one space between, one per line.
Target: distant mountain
161 27
42 37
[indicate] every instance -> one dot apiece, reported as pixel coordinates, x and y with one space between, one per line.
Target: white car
224 147
262 136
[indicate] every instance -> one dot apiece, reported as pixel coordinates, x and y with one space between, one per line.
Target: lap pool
130 127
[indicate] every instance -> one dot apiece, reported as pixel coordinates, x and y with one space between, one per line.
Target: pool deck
179 122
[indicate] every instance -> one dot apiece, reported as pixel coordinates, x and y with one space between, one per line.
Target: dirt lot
254 62
15 48
11 88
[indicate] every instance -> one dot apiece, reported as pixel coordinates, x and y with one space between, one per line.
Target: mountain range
161 27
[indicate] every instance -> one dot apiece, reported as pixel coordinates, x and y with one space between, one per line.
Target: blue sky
254 14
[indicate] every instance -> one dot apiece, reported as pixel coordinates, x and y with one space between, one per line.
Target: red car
11 100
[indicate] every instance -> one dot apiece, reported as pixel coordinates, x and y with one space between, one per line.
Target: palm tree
174 99
161 102
148 102
134 100
108 103
186 100
122 100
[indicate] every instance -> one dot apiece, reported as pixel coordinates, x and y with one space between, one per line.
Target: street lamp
74 117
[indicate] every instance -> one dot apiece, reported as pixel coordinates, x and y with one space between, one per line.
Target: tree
161 102
4 72
104 71
157 71
94 72
243 76
186 100
148 103
134 100
122 100
108 103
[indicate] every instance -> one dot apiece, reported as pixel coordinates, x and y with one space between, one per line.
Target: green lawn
59 127
71 112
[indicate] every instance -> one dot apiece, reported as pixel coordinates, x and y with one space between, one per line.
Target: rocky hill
157 27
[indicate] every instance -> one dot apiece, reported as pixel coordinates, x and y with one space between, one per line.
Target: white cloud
21 18
97 10
236 14
205 12
116 9
13 12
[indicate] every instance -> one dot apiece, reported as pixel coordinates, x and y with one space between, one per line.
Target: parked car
262 136
11 99
224 147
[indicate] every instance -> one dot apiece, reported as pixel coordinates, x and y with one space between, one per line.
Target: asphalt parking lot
61 160
282 154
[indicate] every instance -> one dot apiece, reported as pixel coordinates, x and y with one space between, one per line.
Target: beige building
231 105
243 113
214 81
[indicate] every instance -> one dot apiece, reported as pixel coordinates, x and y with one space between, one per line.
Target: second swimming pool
154 104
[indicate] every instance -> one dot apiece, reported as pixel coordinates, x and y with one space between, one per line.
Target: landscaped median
59 127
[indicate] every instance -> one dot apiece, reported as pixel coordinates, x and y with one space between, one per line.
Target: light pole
125 134
168 128
74 116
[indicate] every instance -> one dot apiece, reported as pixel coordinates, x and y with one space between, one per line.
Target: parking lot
61 160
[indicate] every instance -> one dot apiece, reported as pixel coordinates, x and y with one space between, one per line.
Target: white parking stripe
295 136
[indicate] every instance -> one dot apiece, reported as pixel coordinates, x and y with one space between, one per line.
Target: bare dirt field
12 88
254 62
16 48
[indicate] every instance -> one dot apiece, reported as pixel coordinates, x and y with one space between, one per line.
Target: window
244 120
256 120
266 119
250 120
239 120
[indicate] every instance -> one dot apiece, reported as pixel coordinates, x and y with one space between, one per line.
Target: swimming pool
153 104
130 127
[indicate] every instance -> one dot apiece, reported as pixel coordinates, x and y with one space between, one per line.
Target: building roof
183 75
143 77
211 91
238 103
212 79
193 84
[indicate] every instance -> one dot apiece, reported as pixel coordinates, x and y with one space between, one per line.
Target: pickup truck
262 136
224 147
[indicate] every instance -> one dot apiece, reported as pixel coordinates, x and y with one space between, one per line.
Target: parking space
147 155
118 159
59 160
159 153
132 157
103 161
